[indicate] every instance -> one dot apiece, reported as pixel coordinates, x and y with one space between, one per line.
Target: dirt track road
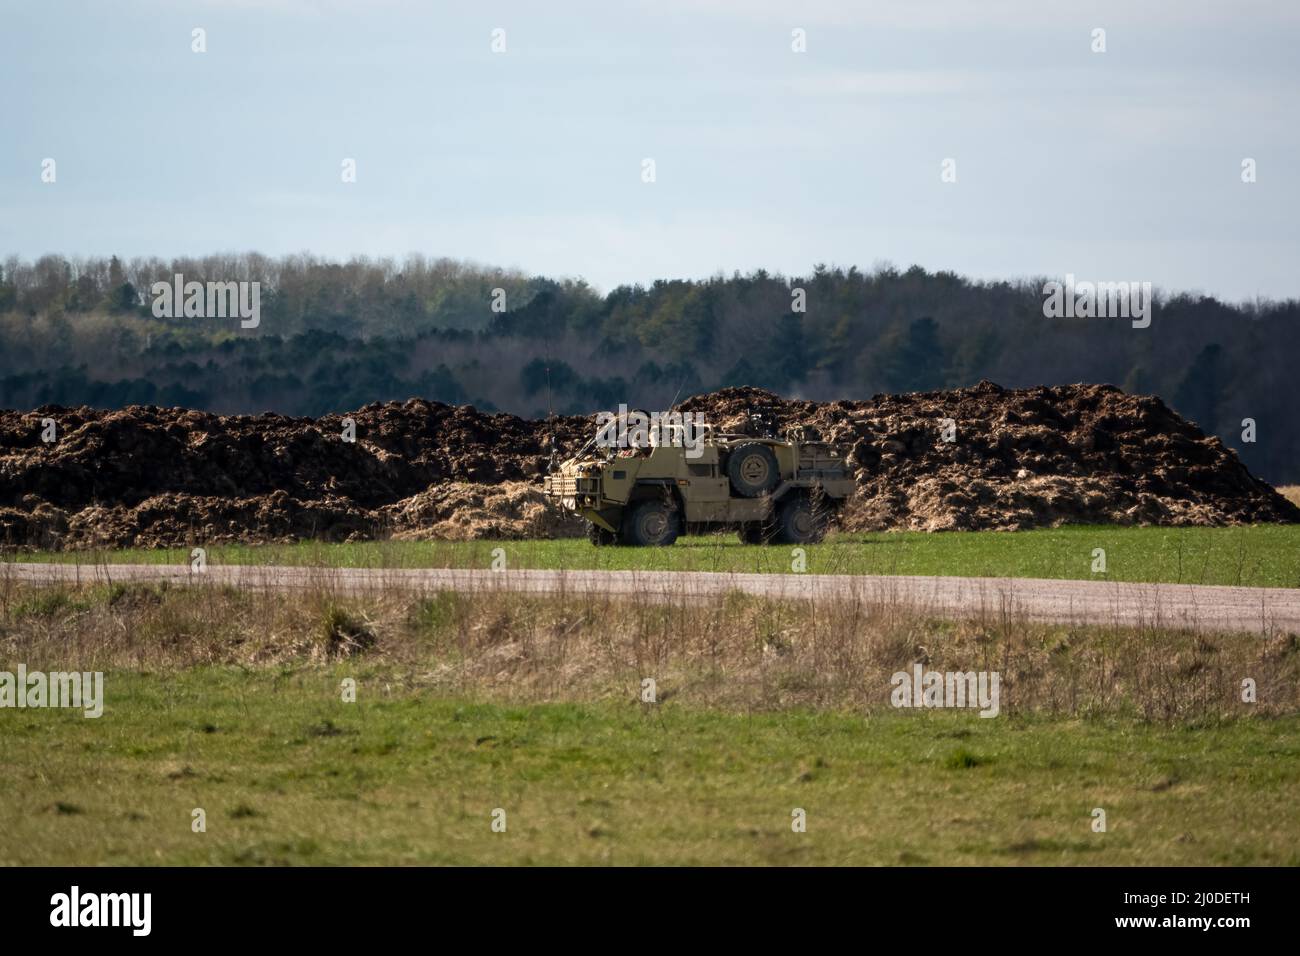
1254 610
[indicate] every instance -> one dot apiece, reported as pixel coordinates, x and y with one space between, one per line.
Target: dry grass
1291 493
738 653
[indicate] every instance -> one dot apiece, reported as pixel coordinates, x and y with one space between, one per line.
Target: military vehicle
767 488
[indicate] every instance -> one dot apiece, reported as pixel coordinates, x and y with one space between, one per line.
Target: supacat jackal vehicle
768 488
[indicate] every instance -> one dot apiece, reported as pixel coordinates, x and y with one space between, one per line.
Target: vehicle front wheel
652 524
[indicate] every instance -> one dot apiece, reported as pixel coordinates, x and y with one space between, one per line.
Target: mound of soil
147 476
461 511
1022 458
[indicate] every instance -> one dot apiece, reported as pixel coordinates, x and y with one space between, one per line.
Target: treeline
334 336
360 298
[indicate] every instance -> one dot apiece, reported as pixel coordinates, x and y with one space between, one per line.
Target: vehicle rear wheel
599 536
798 522
752 469
651 524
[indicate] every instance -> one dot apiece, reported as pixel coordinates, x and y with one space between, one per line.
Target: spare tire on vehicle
753 470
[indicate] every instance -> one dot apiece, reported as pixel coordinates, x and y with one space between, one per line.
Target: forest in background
335 336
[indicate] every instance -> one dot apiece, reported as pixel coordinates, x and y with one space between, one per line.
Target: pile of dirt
1022 458
151 477
148 476
461 511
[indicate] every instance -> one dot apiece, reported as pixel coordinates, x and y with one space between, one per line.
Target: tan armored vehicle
767 488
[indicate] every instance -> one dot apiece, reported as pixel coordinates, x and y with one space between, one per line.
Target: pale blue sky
1122 165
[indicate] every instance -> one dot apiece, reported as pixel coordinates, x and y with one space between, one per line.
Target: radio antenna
680 386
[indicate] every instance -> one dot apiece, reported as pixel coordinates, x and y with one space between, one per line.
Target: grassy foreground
233 702
289 774
1258 556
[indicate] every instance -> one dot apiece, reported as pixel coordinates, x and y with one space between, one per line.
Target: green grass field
289 774
1260 555
229 701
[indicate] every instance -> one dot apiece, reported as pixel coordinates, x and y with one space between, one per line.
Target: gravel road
1210 608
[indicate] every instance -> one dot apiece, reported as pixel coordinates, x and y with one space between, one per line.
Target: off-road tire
800 522
651 524
599 536
753 470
